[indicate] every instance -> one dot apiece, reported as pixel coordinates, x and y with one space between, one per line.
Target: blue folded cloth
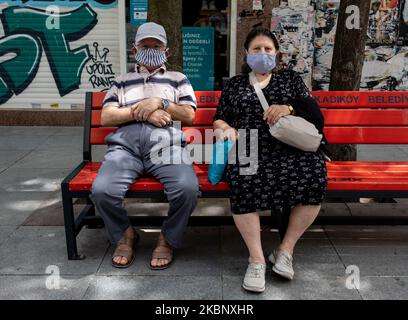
219 160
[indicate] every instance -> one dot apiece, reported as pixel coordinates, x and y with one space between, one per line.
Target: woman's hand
227 132
224 131
275 112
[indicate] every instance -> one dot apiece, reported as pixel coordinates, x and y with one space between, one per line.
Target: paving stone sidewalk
34 160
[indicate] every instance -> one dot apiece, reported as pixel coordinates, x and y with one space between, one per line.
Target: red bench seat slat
338 180
84 180
369 185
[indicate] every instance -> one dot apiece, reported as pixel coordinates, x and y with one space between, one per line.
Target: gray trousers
138 149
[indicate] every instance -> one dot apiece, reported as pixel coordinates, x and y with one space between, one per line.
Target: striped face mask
150 58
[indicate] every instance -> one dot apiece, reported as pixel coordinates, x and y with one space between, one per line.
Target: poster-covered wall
327 13
52 52
386 53
386 63
294 27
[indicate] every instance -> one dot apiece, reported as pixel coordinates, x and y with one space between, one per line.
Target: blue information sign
198 57
138 12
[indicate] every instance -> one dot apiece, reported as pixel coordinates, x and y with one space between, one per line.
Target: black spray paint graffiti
100 71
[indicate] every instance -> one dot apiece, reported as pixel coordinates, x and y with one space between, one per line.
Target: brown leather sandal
125 248
163 250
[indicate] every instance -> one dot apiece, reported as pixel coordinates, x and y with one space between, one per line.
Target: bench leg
91 212
70 232
283 221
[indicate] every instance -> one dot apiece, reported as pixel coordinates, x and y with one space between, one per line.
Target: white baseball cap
151 30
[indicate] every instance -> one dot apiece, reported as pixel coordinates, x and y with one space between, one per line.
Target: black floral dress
283 174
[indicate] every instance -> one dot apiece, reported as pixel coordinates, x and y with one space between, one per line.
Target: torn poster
294 30
385 69
383 22
325 32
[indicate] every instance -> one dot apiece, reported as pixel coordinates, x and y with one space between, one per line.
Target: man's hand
159 118
275 112
145 108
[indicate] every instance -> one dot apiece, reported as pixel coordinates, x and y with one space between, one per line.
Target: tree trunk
169 15
348 60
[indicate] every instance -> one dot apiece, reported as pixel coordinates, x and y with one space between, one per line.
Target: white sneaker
255 277
282 263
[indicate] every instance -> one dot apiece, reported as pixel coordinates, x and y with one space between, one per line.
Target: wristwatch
165 104
290 109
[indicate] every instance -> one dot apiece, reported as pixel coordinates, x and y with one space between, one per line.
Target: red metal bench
350 117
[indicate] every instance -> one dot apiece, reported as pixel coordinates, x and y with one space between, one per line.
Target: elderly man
144 104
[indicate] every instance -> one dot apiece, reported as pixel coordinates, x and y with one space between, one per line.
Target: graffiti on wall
74 3
27 37
100 71
52 52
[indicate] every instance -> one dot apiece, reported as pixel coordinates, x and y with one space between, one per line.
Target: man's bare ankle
129 233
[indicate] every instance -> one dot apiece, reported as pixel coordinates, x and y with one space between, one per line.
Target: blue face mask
261 62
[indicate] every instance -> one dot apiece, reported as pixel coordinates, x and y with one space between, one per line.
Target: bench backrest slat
367 135
326 99
361 99
203 116
365 117
356 117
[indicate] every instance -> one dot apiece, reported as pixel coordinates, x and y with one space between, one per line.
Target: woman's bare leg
249 227
301 218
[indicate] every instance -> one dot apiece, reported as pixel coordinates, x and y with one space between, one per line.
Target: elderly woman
285 175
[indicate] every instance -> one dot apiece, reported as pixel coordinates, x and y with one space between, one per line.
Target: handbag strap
258 90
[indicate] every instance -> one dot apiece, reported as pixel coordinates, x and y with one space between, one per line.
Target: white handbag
294 131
